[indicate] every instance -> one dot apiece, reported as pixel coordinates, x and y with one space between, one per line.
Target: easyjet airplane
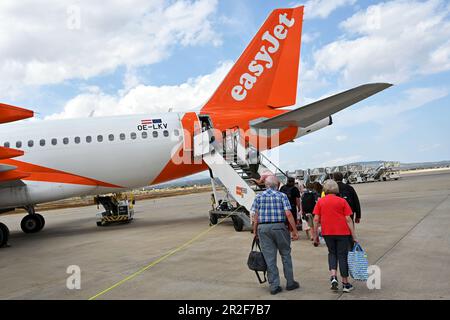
50 160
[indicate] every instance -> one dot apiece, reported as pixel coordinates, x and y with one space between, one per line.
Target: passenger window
77 140
122 136
166 133
111 137
100 138
144 135
30 143
6 145
54 142
155 134
133 135
42 142
66 140
19 144
176 132
88 139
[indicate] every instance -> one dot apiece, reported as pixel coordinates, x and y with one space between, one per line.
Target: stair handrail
277 169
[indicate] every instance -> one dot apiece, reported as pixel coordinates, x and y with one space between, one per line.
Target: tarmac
170 252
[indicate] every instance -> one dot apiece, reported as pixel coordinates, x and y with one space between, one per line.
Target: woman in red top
333 214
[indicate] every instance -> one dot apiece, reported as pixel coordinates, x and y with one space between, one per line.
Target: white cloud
389 42
341 138
47 42
309 37
323 8
145 99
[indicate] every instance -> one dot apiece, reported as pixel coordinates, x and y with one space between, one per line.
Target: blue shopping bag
358 263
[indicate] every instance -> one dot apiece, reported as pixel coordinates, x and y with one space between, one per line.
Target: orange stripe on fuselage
174 169
39 173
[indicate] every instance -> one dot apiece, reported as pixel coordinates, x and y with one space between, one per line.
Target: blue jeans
272 238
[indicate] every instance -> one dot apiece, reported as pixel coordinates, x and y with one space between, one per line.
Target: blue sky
148 56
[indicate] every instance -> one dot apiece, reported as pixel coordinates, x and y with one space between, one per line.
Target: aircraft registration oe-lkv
46 161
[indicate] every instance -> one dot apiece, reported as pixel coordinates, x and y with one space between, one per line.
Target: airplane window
66 140
19 144
144 135
122 136
31 143
133 135
155 134
88 139
176 132
42 142
111 137
54 141
166 133
77 140
99 138
6 145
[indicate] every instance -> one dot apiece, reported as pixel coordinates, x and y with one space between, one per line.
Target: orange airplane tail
266 73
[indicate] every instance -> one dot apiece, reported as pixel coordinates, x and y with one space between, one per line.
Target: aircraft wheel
4 235
42 221
31 223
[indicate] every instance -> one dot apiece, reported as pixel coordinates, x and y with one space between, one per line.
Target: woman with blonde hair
333 214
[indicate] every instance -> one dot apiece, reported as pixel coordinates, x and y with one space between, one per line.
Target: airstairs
238 169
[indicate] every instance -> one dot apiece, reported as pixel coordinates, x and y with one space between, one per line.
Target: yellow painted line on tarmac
161 259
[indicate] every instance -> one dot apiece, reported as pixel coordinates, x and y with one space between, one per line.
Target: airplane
49 160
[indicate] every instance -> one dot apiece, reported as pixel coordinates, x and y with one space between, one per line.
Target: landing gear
33 222
4 235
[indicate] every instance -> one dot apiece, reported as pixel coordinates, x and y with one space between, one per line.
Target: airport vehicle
118 209
45 161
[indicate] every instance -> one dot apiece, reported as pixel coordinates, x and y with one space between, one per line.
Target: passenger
318 188
271 209
262 180
293 195
253 161
348 193
309 200
333 214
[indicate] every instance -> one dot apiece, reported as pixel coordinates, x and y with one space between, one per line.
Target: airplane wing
316 111
9 175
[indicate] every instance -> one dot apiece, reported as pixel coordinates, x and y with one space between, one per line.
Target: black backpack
308 201
346 194
256 261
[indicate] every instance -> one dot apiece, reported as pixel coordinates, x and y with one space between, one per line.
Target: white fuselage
120 151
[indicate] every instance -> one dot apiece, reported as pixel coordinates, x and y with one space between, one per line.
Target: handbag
358 263
256 261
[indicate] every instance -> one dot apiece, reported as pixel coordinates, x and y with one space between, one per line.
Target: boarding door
233 146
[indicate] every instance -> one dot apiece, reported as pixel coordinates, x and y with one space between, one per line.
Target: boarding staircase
229 162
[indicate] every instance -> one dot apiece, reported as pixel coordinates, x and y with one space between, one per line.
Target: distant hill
406 166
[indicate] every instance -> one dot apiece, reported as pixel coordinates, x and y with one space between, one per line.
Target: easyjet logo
263 59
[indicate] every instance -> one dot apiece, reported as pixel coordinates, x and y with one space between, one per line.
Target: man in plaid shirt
271 208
